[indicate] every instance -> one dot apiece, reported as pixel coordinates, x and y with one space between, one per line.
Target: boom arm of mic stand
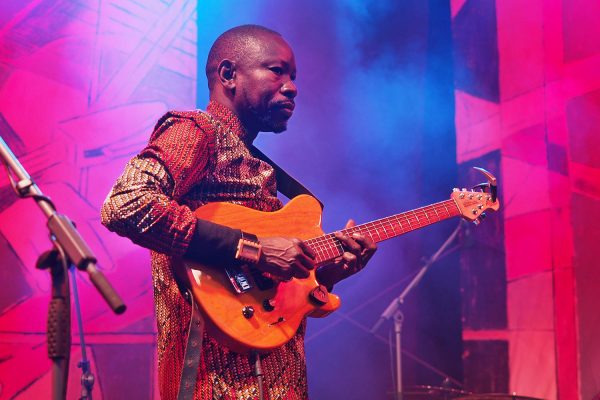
82 257
395 304
62 229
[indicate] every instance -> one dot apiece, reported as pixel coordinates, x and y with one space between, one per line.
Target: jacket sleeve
143 204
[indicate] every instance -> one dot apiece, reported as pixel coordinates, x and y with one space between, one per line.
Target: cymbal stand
393 309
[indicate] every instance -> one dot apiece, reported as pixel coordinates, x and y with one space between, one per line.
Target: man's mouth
285 108
286 111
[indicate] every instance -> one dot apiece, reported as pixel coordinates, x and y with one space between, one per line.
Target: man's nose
289 89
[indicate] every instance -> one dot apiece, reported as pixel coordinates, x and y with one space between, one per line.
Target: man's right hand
285 258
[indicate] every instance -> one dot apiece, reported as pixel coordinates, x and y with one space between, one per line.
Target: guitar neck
327 247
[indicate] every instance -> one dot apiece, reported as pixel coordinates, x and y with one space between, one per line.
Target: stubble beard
267 123
265 120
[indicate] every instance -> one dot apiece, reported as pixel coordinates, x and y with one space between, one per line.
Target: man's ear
227 74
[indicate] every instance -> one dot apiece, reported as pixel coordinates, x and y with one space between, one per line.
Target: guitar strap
193 351
289 187
286 184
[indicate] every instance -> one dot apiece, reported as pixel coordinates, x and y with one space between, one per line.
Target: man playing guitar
194 159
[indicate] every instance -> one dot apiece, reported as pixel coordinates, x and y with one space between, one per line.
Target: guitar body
223 308
250 314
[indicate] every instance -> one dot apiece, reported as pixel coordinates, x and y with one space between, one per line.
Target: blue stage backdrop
372 135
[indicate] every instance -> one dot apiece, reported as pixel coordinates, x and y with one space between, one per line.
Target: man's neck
250 132
226 116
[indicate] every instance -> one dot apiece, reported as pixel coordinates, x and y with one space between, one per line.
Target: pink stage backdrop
528 96
81 84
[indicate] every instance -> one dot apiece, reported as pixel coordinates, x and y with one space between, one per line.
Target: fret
426 216
370 236
396 230
330 252
339 248
409 224
391 227
385 231
399 222
378 236
415 214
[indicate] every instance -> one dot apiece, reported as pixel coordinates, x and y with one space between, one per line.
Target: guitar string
328 242
389 222
328 247
371 227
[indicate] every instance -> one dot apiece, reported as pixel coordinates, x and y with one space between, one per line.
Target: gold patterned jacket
193 158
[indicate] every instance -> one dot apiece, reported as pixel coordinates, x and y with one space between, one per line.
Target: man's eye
277 70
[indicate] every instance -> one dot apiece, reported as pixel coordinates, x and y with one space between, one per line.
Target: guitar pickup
238 279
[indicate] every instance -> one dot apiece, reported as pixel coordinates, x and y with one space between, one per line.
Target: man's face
265 90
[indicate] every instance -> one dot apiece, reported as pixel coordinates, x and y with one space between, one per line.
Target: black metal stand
393 309
58 326
69 249
87 378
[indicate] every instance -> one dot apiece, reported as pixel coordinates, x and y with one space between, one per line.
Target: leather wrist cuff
248 248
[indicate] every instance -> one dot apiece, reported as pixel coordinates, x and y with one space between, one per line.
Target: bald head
236 44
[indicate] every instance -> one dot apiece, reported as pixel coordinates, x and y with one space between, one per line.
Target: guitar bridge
238 279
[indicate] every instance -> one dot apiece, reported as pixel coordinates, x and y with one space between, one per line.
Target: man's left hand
358 250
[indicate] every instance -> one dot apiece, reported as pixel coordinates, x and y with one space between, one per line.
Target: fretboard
328 247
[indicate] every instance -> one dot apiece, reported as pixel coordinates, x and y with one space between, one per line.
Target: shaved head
236 44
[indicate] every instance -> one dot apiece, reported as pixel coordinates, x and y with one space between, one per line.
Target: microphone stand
393 309
69 249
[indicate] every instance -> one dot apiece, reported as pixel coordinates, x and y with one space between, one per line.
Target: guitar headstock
473 204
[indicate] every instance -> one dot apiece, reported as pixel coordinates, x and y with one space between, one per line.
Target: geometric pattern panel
585 216
12 272
81 84
583 117
545 129
482 258
581 29
476 49
128 374
486 366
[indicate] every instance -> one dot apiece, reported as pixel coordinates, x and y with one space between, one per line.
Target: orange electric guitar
248 312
